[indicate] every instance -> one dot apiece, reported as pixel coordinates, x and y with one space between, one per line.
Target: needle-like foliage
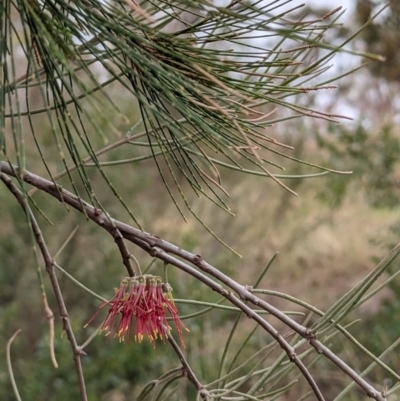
205 79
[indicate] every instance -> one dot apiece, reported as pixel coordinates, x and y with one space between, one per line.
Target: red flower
173 310
130 308
142 301
115 303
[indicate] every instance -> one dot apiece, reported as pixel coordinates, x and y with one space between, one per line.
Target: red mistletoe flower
142 302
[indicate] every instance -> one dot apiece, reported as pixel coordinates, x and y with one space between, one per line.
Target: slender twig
49 262
161 249
9 366
187 370
126 255
50 318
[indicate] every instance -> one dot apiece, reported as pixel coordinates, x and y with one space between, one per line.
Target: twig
50 318
187 370
9 365
126 255
161 249
49 262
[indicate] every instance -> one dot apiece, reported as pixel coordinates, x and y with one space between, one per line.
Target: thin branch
187 370
161 249
9 365
126 255
49 262
50 318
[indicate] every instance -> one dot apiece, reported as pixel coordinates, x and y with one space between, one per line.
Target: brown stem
50 318
126 255
77 352
187 370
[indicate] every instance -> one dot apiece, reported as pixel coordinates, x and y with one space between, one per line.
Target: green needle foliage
204 81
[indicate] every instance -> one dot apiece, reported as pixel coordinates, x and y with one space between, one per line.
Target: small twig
126 255
9 365
91 337
187 370
50 318
49 262
66 242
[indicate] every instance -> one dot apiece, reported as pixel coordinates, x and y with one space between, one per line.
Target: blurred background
328 238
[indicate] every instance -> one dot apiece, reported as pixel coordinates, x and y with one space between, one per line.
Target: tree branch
126 255
161 249
49 262
187 370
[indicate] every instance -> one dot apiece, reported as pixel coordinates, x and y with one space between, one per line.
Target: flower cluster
141 302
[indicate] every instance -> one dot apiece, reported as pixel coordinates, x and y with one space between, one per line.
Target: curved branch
188 372
126 256
9 365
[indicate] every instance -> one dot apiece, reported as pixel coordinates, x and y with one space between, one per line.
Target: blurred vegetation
373 156
382 36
